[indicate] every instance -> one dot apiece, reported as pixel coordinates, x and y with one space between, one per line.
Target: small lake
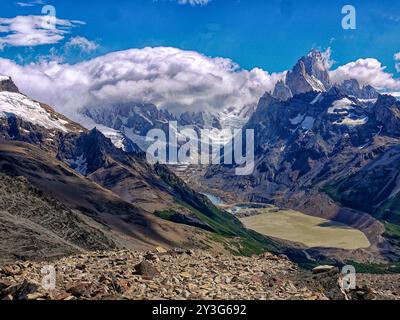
214 199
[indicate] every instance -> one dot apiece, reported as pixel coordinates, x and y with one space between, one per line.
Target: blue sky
254 33
178 55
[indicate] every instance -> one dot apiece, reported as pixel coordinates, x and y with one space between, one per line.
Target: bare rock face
309 74
282 91
353 88
6 84
387 112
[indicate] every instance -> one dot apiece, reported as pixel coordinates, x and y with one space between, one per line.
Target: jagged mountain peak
314 65
7 84
282 91
352 87
317 65
310 73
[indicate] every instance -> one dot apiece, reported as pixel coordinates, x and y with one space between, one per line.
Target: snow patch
315 84
318 99
4 78
308 123
297 120
30 111
341 106
115 136
352 122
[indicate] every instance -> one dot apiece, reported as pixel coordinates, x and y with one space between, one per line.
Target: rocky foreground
181 274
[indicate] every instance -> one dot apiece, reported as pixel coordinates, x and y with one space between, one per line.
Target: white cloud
32 31
168 77
366 71
194 2
397 58
29 3
82 44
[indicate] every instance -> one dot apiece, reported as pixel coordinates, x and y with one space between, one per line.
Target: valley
295 226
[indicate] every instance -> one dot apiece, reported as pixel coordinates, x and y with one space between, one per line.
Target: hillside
180 274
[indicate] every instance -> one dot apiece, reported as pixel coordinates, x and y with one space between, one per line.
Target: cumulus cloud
168 77
33 30
82 44
366 71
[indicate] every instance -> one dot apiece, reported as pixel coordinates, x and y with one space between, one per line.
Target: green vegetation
332 192
166 215
372 268
390 210
236 237
392 231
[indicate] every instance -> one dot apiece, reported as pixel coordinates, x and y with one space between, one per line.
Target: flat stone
322 269
185 274
35 296
161 250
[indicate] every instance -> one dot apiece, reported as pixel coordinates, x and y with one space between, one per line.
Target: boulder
146 270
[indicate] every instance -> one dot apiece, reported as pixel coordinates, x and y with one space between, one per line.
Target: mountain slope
34 225
127 225
111 188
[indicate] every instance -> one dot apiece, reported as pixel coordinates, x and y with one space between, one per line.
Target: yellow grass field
310 231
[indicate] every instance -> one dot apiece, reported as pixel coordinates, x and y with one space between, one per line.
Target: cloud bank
170 78
366 71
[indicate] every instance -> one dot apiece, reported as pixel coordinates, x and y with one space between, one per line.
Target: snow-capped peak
18 105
